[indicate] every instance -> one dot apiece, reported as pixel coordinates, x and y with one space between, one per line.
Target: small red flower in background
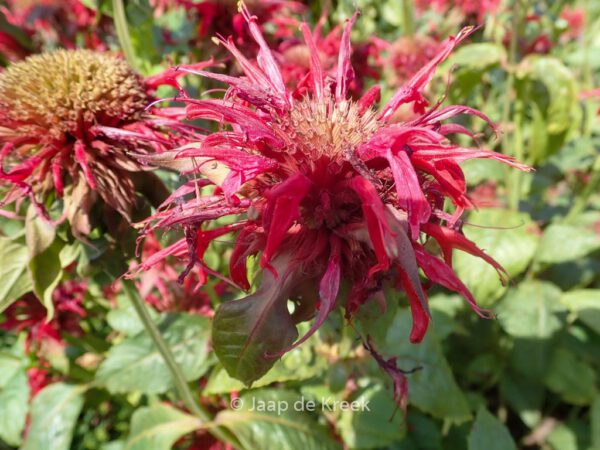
29 314
221 17
325 190
575 18
406 56
70 123
57 22
38 378
163 287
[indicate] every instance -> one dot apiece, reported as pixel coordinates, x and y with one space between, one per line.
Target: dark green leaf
362 429
488 433
433 388
248 333
299 364
572 378
595 423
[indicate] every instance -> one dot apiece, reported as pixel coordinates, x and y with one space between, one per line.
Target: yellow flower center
328 128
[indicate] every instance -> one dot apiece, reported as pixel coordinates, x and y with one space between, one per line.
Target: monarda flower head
334 199
69 122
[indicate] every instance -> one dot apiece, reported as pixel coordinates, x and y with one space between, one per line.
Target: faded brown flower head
65 92
72 124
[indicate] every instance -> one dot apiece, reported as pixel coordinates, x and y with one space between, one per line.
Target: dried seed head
67 91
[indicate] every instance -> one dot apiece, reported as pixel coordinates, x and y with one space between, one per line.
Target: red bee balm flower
327 191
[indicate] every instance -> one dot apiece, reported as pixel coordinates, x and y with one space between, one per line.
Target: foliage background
529 379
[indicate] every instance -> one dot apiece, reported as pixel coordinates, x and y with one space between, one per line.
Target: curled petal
315 62
328 291
410 194
449 239
374 213
419 313
440 273
345 74
283 208
81 159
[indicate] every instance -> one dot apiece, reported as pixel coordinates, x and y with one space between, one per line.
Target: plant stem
583 198
120 19
408 18
512 182
181 384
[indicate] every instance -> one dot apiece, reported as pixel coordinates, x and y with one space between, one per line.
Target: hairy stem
181 384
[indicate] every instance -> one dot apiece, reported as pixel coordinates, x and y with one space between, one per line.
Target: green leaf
513 248
54 413
433 388
46 273
39 233
246 331
478 56
274 419
572 378
585 304
524 396
14 398
13 272
595 423
488 433
362 429
124 318
44 253
563 438
135 365
299 364
531 310
158 427
562 243
561 88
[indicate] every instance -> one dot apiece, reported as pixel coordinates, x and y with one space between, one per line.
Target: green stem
408 17
511 181
588 82
120 19
589 115
181 384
